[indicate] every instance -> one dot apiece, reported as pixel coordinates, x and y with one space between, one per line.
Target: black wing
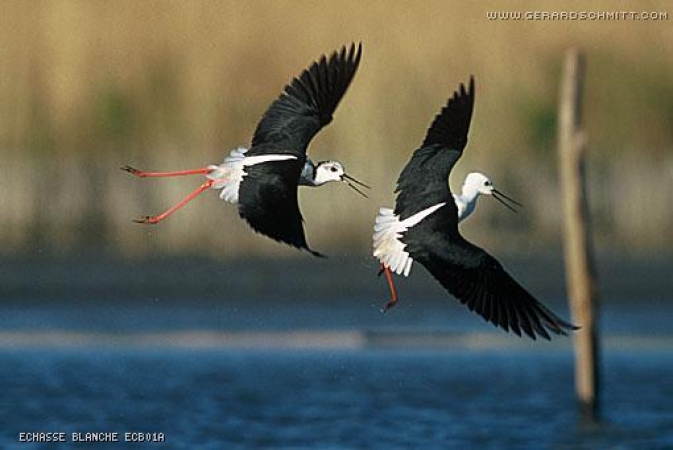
470 274
479 281
424 180
306 105
268 202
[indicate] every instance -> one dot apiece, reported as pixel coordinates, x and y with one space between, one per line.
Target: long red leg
393 293
183 202
177 173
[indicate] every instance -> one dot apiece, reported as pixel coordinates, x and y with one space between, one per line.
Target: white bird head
477 183
326 171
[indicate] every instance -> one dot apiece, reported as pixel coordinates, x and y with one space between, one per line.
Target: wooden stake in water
580 279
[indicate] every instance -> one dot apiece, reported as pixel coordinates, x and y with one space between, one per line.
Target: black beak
499 196
352 182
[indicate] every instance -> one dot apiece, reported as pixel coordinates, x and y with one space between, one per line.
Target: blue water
337 399
230 369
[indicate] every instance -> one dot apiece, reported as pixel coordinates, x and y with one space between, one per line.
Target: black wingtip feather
316 254
324 83
308 102
492 293
451 126
422 182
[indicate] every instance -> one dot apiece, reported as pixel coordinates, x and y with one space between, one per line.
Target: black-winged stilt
263 179
423 227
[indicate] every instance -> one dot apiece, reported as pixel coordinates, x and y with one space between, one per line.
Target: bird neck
470 194
466 202
307 177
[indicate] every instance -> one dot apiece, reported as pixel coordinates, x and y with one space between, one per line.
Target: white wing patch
388 230
228 175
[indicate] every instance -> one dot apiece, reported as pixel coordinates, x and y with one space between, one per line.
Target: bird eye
487 183
333 169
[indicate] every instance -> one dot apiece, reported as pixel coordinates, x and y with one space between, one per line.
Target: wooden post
580 279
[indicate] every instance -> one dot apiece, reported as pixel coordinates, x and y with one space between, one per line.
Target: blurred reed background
88 86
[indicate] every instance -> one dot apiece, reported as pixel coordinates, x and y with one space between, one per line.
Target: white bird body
228 175
263 179
387 233
424 227
389 229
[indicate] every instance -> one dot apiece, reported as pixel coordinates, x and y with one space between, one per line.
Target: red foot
149 220
158 218
177 173
131 170
388 305
393 293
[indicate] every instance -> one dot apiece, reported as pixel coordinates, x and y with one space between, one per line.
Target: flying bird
423 227
263 179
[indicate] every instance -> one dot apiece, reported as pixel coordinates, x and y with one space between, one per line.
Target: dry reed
88 86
